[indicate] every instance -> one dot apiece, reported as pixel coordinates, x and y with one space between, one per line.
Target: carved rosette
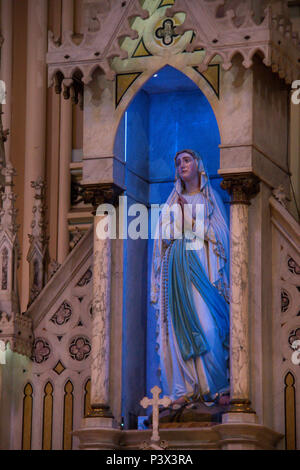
80 348
41 351
241 187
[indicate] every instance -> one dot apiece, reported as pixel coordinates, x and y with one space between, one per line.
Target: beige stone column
101 323
35 120
241 188
6 66
99 430
100 372
65 151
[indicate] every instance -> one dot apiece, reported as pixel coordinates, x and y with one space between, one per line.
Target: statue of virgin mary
189 290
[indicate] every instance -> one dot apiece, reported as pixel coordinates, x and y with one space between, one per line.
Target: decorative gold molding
100 411
212 76
123 83
27 417
68 416
166 3
290 411
87 398
141 50
240 406
47 417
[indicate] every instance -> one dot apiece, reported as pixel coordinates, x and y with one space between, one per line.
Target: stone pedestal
245 436
98 434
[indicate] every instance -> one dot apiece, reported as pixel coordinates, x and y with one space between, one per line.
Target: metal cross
155 402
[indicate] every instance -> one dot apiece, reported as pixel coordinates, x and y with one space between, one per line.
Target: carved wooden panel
61 365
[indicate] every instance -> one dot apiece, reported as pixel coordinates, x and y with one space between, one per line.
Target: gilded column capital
96 194
241 187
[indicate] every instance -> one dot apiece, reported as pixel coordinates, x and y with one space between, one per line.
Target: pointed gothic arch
141 80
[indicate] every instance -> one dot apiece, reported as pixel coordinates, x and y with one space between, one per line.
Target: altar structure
96 109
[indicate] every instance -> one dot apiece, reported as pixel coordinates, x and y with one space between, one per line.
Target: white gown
207 374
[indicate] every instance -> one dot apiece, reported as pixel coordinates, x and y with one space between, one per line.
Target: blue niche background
170 113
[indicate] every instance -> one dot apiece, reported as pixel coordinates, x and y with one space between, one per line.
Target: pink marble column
35 120
65 151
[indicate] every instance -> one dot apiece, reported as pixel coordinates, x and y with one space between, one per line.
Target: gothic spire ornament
38 251
15 328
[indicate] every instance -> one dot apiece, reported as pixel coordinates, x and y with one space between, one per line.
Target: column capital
101 193
241 187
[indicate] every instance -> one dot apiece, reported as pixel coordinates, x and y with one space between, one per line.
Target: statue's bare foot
177 404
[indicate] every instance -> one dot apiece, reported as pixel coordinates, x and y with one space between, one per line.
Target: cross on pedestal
155 402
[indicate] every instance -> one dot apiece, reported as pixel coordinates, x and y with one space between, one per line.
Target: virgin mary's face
186 166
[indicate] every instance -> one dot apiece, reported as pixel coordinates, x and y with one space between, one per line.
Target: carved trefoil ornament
37 256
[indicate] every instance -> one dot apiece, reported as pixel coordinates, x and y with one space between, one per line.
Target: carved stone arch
257 52
90 73
76 72
147 74
55 78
